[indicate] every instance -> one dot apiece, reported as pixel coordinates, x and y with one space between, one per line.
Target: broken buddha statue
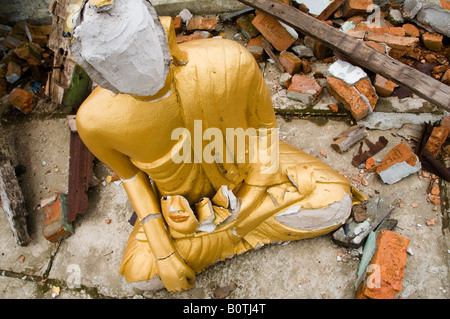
191 131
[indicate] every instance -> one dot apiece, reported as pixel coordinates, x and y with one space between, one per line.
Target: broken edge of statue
101 41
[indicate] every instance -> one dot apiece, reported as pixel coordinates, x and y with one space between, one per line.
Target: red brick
56 226
333 107
305 89
383 86
355 7
351 98
446 77
201 23
411 30
395 31
22 99
13 72
432 41
187 38
273 31
291 63
256 49
381 47
177 23
399 154
437 139
387 267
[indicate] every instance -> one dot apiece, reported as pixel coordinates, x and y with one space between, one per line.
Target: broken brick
273 31
201 23
383 86
177 22
355 7
187 38
39 34
333 107
321 51
305 89
286 80
256 49
29 52
446 77
399 45
13 72
394 31
56 226
432 41
411 30
291 63
385 272
399 163
352 98
22 99
437 139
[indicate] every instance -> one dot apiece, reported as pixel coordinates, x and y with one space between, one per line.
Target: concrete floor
86 264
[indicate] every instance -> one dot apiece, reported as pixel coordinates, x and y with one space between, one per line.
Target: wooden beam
423 85
12 198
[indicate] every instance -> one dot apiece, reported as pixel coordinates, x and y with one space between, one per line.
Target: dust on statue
144 116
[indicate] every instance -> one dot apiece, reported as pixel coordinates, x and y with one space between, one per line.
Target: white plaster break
115 51
317 219
347 72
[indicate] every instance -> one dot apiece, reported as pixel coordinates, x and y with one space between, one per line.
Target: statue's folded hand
175 274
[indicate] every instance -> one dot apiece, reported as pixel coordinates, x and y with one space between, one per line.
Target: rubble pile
25 61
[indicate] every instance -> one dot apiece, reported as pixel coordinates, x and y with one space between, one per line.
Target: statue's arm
174 273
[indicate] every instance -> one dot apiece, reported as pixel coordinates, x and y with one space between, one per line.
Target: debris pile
25 63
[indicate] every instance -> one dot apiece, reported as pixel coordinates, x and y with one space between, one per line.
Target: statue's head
121 44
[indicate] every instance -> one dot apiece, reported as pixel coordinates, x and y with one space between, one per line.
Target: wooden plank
330 9
269 50
358 52
80 174
12 199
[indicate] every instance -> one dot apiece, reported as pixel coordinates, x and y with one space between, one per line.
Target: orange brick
13 72
333 107
56 226
351 98
201 23
291 63
411 30
395 31
387 268
437 139
399 154
187 38
381 47
355 7
22 99
273 31
446 77
383 86
305 89
177 22
432 41
256 49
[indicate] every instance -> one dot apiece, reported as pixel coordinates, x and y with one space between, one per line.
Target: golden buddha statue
191 131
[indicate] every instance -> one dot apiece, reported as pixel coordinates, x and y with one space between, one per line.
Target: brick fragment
321 51
39 34
177 23
291 63
305 89
411 30
29 52
437 139
446 77
13 72
256 49
201 23
56 226
395 31
273 31
355 7
383 86
432 41
385 272
360 102
187 38
399 163
22 99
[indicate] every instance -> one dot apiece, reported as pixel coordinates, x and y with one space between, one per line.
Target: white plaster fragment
398 171
347 72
